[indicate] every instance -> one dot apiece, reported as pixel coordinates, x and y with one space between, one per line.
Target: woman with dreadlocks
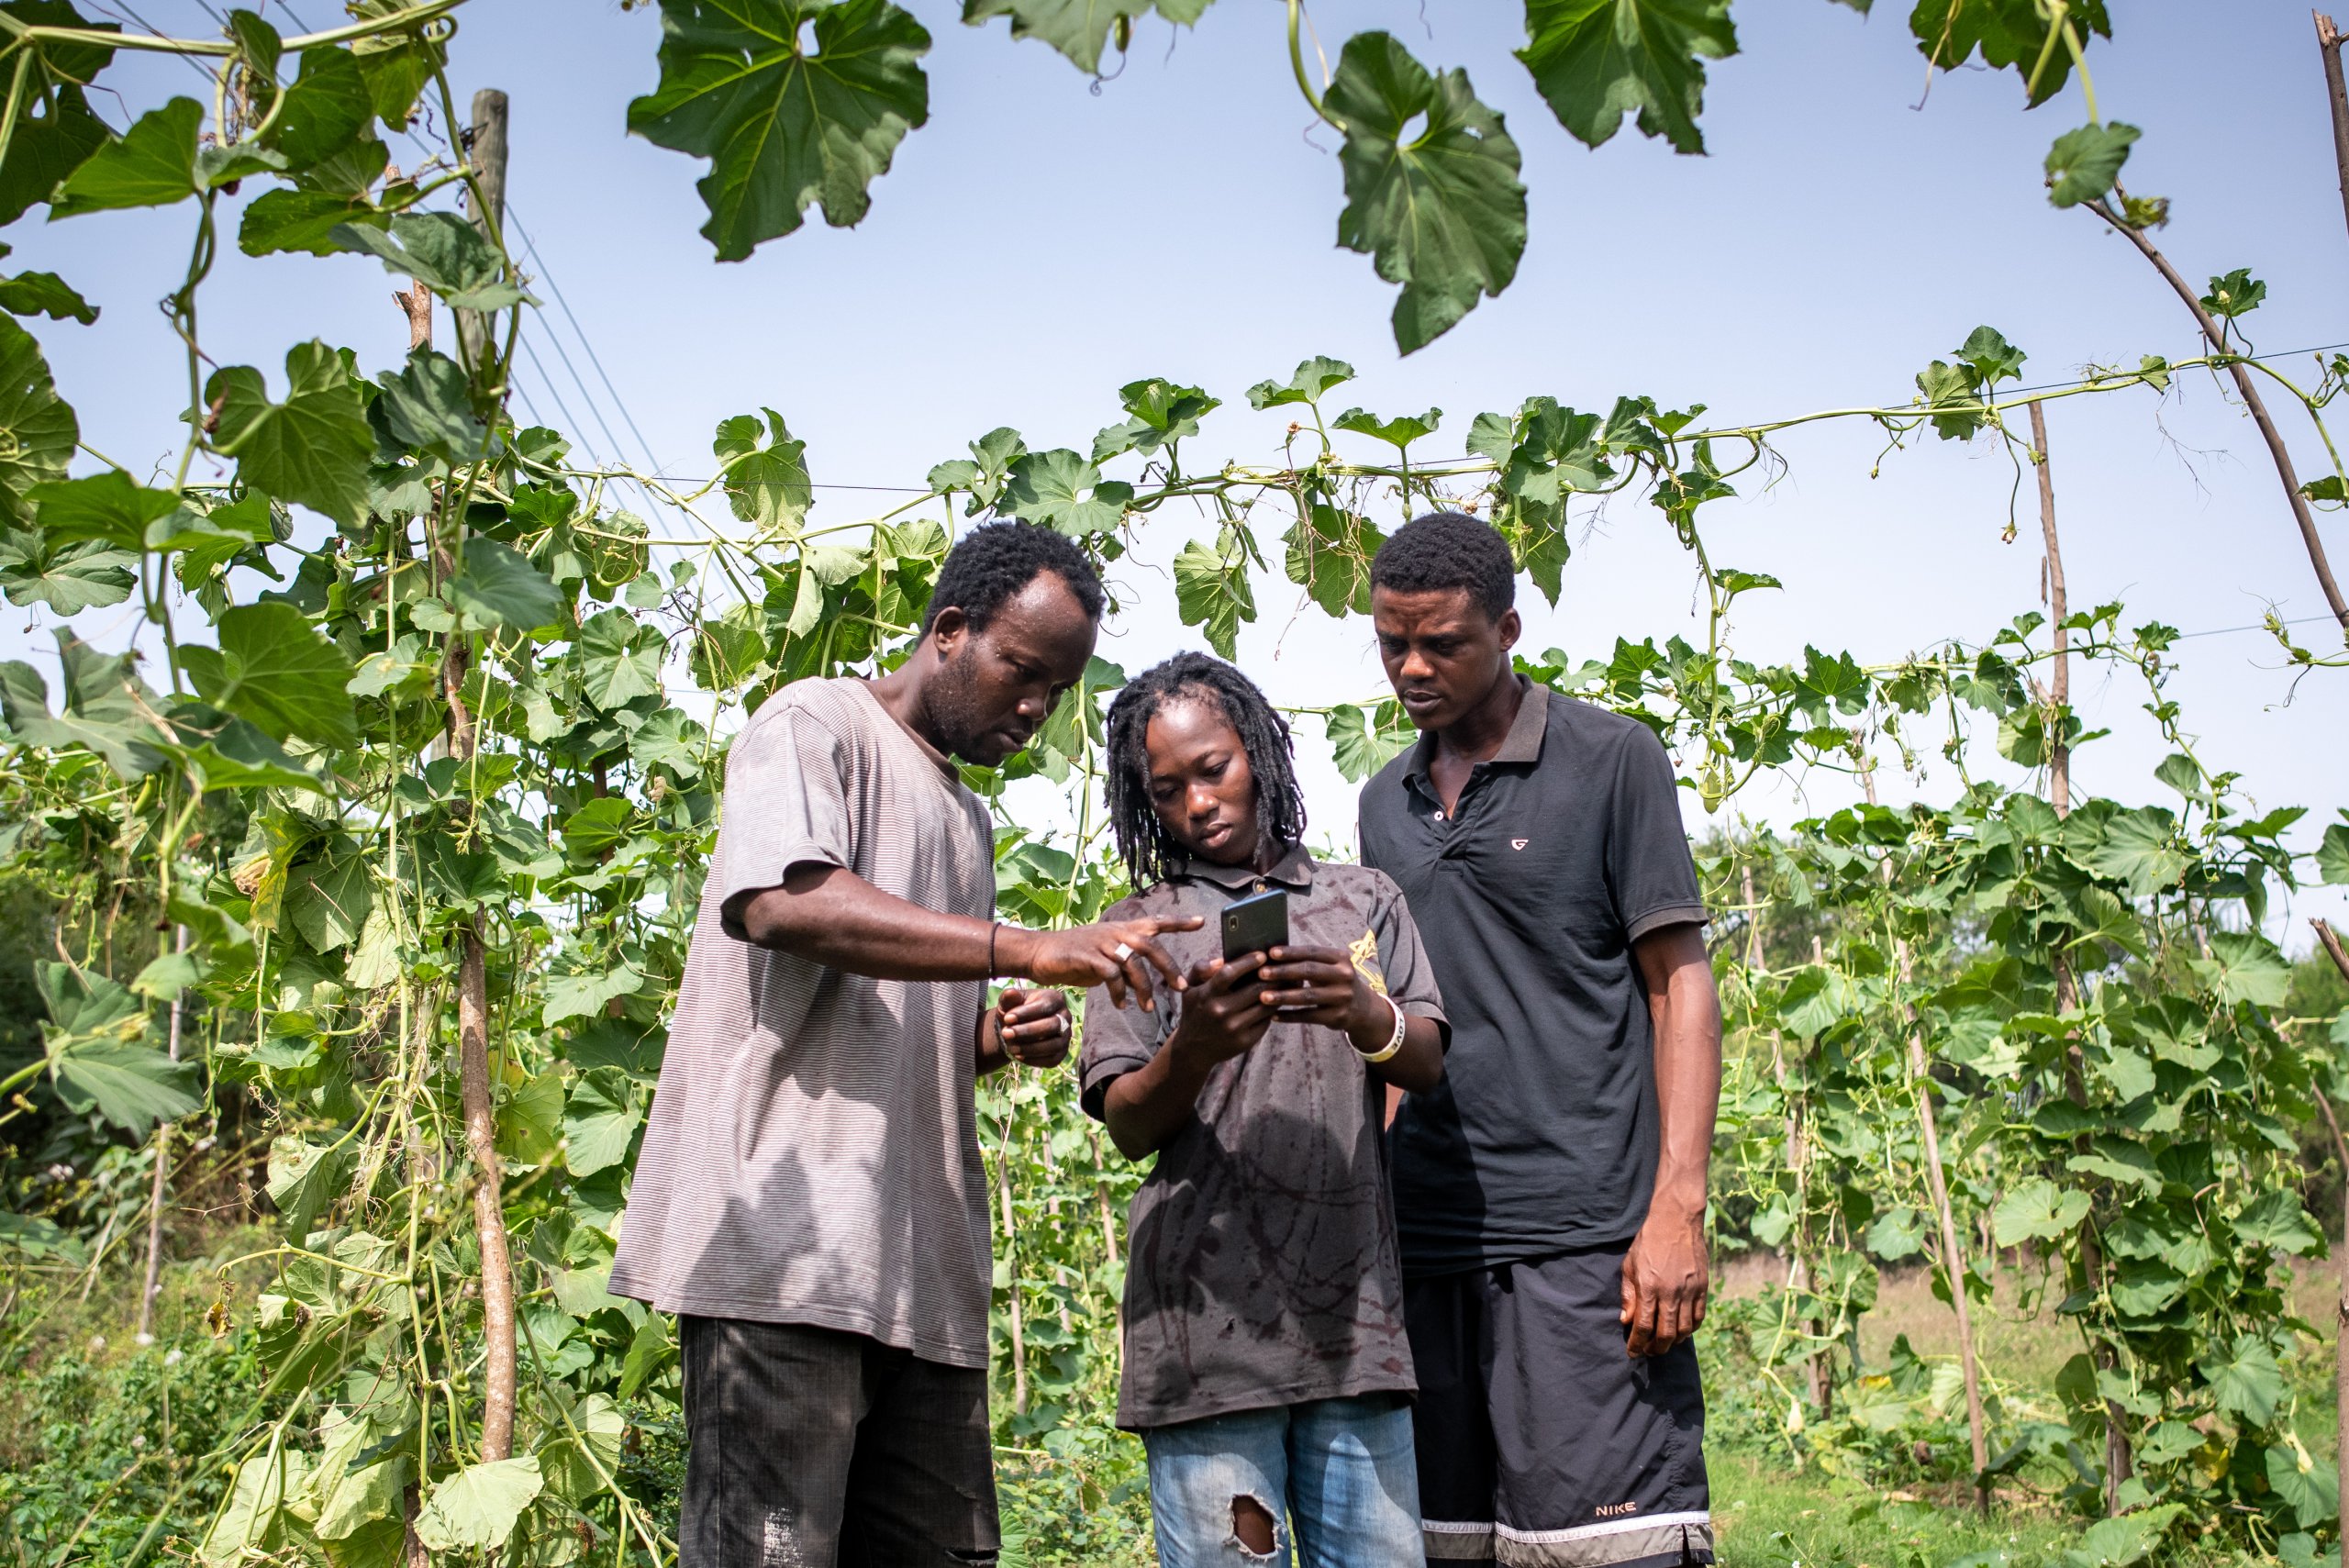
1266 1362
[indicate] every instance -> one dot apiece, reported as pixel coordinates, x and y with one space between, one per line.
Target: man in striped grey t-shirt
809 1199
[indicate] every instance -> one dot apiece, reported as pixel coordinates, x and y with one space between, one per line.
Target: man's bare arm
831 915
1666 1273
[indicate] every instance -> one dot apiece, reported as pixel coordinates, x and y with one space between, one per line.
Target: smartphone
1256 923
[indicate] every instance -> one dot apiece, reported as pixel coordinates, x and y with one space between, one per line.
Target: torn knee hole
1253 1526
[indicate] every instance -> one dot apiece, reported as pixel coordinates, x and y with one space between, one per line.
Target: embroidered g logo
1519 844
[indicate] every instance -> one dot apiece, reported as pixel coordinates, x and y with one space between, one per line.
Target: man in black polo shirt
1550 1192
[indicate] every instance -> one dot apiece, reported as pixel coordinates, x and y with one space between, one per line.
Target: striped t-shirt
813 1154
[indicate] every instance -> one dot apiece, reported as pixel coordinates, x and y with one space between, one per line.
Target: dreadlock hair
996 561
1151 852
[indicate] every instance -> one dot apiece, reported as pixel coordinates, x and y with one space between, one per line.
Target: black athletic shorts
810 1447
1541 1442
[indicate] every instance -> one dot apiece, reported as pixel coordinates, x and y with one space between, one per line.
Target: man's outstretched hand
1665 1277
1118 954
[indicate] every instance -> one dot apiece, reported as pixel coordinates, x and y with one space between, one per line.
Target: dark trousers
1541 1444
810 1448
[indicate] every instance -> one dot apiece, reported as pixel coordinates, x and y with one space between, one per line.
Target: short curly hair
996 561
1449 550
1150 853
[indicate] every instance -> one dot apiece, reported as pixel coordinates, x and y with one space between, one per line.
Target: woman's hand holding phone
1321 985
1223 1015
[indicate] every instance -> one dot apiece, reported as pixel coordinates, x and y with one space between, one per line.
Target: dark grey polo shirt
1261 1264
1566 848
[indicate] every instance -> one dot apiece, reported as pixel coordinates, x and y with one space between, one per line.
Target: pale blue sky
1038 244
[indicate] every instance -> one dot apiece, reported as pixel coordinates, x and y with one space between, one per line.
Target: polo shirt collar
1521 745
1294 869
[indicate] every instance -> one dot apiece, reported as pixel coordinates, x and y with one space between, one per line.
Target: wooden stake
485 150
162 1170
2327 42
1953 1264
2059 681
2252 400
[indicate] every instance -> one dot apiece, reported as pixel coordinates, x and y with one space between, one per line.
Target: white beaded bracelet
1394 1041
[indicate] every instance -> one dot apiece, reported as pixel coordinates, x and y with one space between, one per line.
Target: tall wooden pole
500 1365
2328 42
162 1170
485 144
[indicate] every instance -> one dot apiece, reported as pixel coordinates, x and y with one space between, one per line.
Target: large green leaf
2244 967
314 448
1159 413
2006 34
428 406
68 578
274 669
1442 213
106 506
328 901
766 472
37 431
304 1178
442 252
2036 1210
500 587
2083 163
1362 745
2246 1380
55 130
1329 552
2279 1223
45 294
325 109
477 1507
584 994
2310 1490
2332 853
1312 378
784 128
598 1119
2139 849
307 221
1061 490
1212 591
106 706
619 661
1596 61
256 1518
133 1086
1079 28
152 166
397 65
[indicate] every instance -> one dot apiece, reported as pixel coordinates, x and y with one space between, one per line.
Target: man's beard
951 701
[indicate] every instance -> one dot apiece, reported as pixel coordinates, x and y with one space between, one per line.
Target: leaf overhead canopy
55 130
766 472
2083 164
1080 29
1061 490
1311 379
1442 213
313 448
154 165
1596 61
275 670
38 428
784 127
442 252
2018 34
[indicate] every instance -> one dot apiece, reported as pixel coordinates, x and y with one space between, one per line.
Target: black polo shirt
1565 848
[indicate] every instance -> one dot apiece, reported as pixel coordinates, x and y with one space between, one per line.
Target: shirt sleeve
1650 872
1410 978
1118 1040
786 803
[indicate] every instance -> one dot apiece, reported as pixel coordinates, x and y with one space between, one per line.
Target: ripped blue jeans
1337 1475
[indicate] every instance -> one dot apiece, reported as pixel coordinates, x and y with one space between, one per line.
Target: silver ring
1123 951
